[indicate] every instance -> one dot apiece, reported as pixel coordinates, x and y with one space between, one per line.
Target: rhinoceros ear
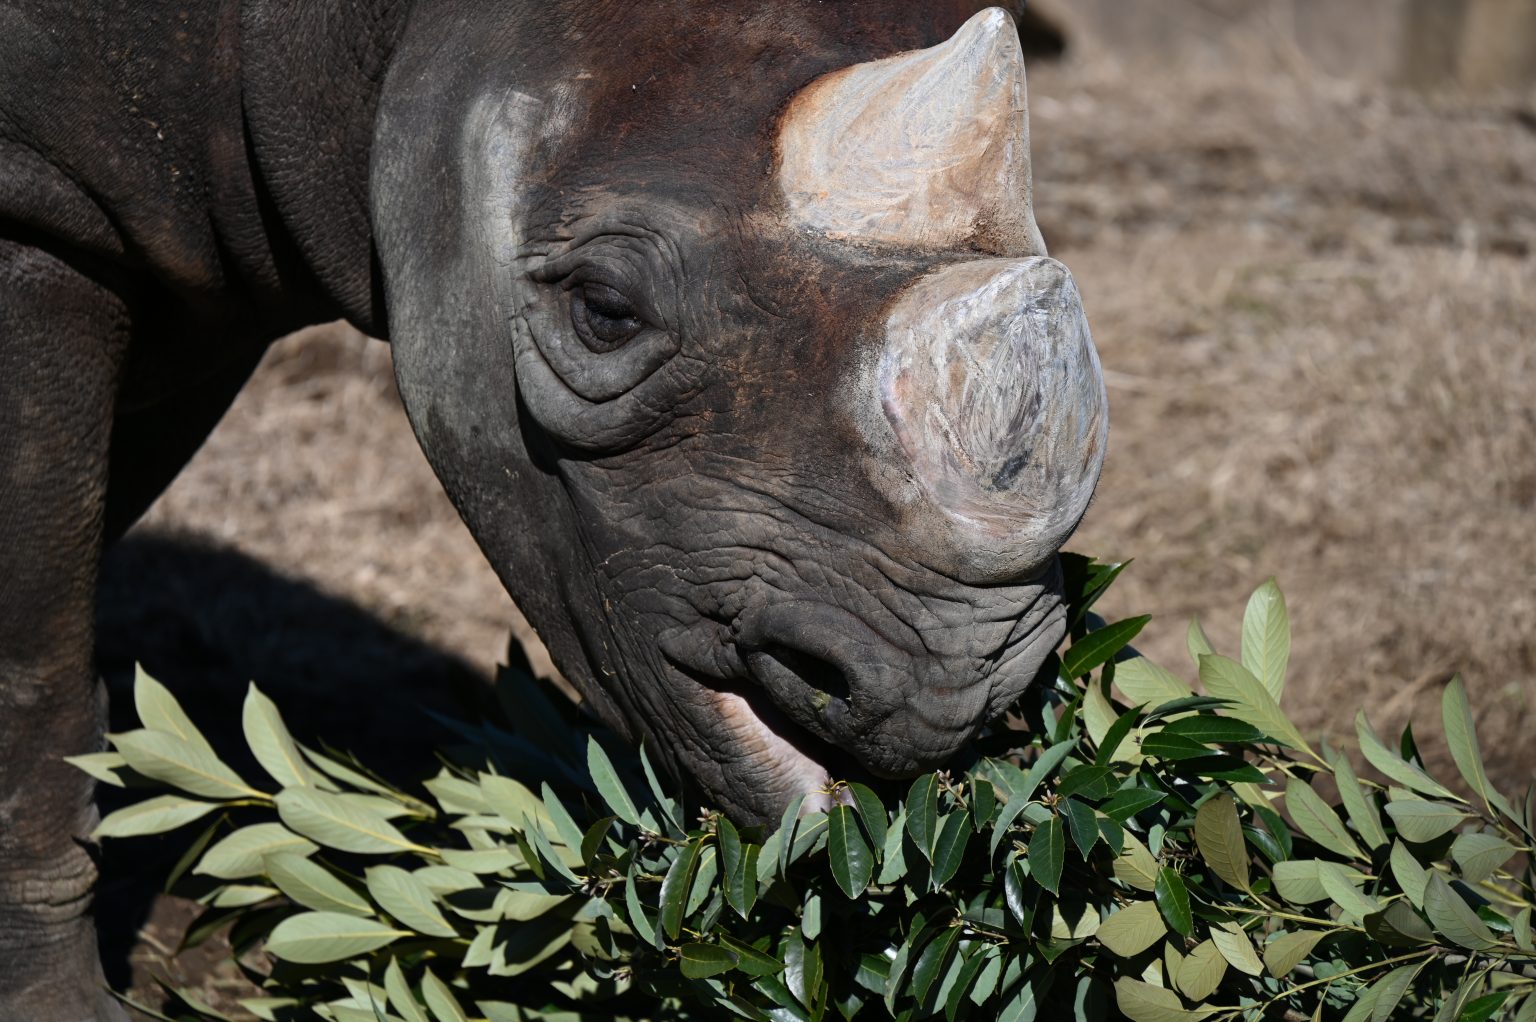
928 149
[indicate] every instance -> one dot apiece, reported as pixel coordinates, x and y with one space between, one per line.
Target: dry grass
1317 308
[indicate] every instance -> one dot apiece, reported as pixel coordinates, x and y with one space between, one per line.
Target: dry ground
1316 306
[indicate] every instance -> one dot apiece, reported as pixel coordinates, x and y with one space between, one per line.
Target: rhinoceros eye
604 319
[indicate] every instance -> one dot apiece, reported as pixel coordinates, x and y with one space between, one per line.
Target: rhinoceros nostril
825 681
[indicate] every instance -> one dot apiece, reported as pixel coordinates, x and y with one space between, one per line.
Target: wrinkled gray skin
696 511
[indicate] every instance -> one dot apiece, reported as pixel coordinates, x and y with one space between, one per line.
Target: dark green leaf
1481 1009
1173 747
983 802
1084 825
1127 802
1116 734
1173 902
872 812
1100 646
675 887
923 814
1087 781
1204 728
949 849
930 961
700 960
1042 767
751 960
1047 854
852 861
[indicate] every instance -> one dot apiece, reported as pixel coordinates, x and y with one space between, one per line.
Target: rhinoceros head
732 337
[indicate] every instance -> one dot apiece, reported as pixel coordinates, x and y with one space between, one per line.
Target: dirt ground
1316 307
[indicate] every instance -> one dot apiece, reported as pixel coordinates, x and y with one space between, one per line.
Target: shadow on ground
205 621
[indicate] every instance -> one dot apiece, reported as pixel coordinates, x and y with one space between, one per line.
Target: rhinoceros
727 327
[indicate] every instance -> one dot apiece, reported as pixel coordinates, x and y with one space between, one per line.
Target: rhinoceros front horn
985 407
928 149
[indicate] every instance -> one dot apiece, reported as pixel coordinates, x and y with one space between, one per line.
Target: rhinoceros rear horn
927 149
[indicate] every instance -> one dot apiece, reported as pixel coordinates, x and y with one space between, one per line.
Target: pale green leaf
408 900
1479 855
1461 737
1318 821
242 895
1135 867
1198 644
1219 836
401 998
158 710
1521 928
1343 892
241 854
1143 1002
609 786
1408 873
1357 802
440 1000
1419 821
179 763
152 816
270 741
1393 765
1453 917
1286 951
101 765
1250 700
1201 971
315 937
338 823
1133 929
1389 990
310 884
1233 943
1300 881
517 804
1143 683
1266 648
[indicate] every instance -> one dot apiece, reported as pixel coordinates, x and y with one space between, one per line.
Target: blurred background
1305 231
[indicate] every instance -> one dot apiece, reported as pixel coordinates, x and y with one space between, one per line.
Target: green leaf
871 809
740 874
1286 951
608 784
675 887
1201 971
1047 854
1133 929
1317 821
1084 825
313 886
1419 821
1089 781
270 741
1143 683
923 814
949 849
408 900
1300 881
851 859
183 764
635 915
566 830
314 937
1219 836
516 803
1173 901
336 822
152 816
931 961
749 959
700 960
1481 1009
1267 637
1360 807
241 854
785 836
1233 943
1453 917
1251 701
1099 646
158 710
1143 1002
1207 729
1109 744
983 802
1388 991
440 1000
1393 765
1479 855
1521 928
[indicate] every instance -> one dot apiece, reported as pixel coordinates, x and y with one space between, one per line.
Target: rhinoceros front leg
61 340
